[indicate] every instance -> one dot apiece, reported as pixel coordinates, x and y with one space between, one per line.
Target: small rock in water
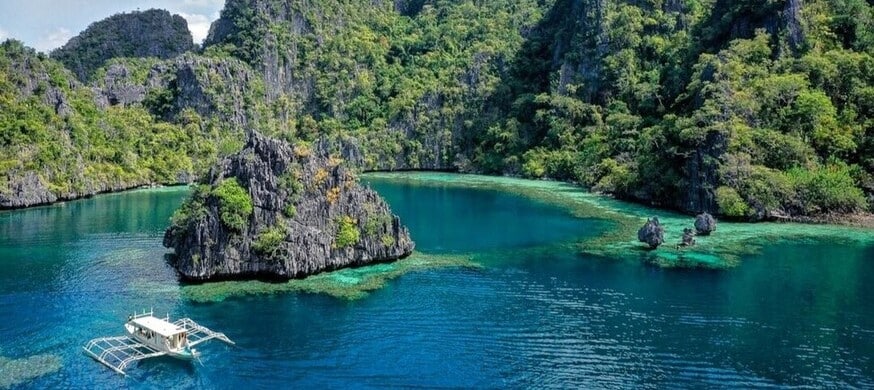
688 237
652 233
705 224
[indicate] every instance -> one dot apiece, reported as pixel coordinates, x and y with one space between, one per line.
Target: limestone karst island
572 194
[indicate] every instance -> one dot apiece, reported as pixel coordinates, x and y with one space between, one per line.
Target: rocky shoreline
40 196
861 220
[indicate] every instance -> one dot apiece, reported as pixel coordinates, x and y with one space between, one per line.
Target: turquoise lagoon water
538 313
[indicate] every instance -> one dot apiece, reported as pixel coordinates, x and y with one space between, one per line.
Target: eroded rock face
150 33
705 224
652 233
118 88
281 57
309 214
688 237
26 190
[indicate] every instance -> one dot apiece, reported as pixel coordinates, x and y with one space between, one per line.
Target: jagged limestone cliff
406 81
152 33
142 122
729 107
222 88
279 211
741 109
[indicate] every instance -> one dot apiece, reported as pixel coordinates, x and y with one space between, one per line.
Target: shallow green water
535 285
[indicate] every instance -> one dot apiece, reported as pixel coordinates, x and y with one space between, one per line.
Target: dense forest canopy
753 110
747 109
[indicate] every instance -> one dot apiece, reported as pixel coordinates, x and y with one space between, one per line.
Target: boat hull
185 354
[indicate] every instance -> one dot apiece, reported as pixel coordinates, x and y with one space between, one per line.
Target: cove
516 284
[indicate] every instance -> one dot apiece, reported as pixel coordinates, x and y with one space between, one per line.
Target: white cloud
198 24
53 39
204 3
3 35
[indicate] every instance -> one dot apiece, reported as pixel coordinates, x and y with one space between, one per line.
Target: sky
47 24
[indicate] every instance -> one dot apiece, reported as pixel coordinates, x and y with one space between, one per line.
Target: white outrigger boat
150 336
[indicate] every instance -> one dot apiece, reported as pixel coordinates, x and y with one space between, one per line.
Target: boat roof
158 326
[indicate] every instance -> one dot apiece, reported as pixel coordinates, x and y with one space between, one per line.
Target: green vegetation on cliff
151 33
667 101
52 129
235 204
347 232
143 121
407 90
659 101
751 110
233 201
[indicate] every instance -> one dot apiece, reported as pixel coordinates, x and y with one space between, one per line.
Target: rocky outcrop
29 189
252 25
705 224
308 214
26 190
151 33
688 237
652 233
118 88
210 86
221 87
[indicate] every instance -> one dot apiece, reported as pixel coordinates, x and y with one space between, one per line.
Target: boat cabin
158 333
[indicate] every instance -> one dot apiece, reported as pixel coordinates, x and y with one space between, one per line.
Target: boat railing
145 313
119 352
197 333
150 313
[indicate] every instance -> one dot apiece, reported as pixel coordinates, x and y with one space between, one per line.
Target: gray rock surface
118 88
26 190
190 81
56 98
652 233
688 237
30 189
150 33
277 176
705 224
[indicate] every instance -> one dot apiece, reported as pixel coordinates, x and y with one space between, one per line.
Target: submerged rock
652 233
688 237
277 211
19 372
705 224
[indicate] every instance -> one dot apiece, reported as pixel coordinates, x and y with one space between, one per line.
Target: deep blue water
798 314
